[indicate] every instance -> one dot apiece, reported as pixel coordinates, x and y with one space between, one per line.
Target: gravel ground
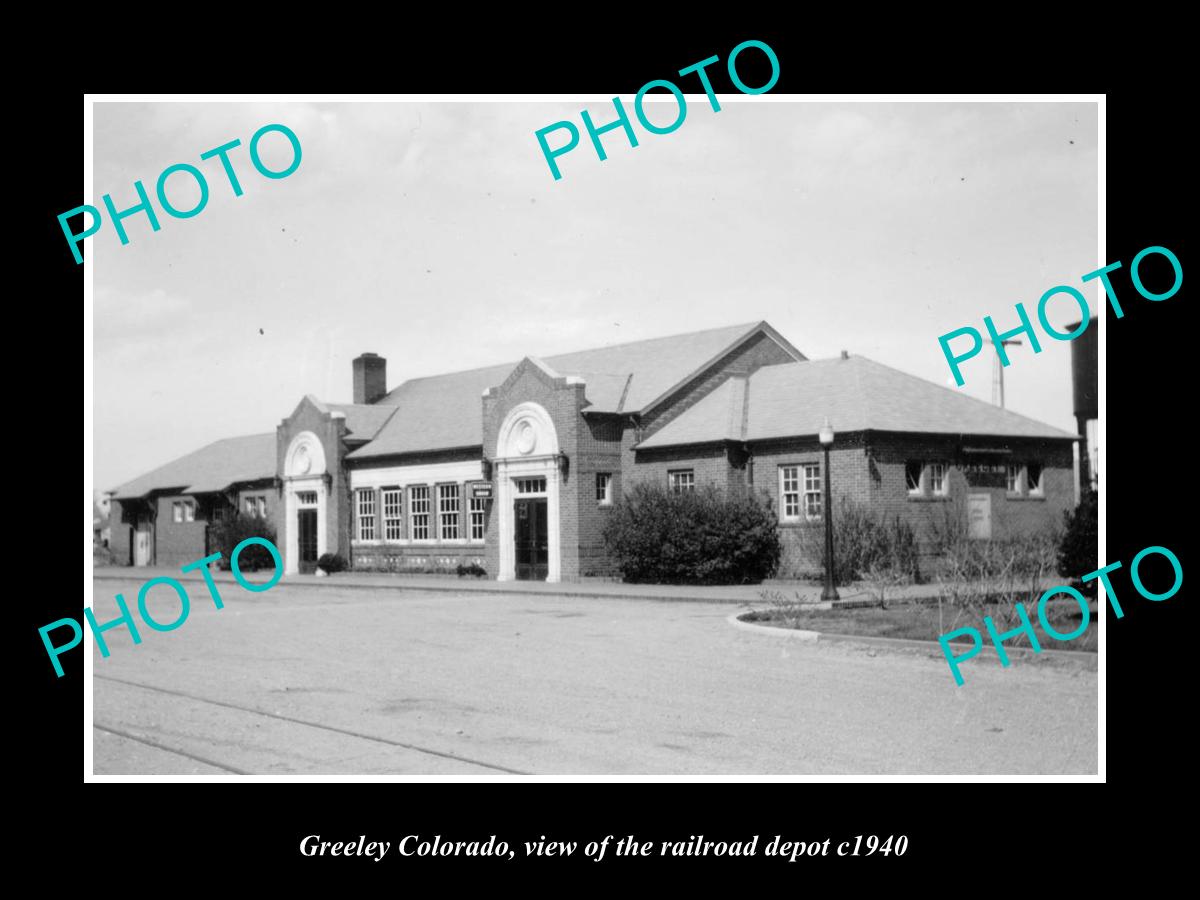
310 679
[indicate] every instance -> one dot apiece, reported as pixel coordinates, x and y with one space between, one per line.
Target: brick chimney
370 378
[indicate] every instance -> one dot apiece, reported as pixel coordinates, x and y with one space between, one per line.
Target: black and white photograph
498 437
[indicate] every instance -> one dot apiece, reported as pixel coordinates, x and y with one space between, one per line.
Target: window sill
929 498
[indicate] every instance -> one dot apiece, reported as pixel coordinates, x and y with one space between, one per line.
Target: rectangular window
478 518
939 483
604 488
1014 478
418 510
218 514
177 510
1033 479
789 497
531 485
189 510
448 512
366 514
261 506
392 522
812 490
912 477
680 480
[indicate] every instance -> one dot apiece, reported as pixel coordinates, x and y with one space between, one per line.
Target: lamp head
826 433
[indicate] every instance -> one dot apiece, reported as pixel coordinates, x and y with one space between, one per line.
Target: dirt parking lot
322 679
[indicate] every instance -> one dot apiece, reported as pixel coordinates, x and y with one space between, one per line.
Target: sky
435 235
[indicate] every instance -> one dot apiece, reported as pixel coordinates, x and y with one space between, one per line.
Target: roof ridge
741 327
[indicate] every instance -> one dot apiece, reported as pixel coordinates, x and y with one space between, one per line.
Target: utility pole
998 374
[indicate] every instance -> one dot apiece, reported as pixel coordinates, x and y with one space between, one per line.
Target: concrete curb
1081 658
451 588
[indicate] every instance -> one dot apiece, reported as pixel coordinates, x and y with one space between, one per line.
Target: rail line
294 721
175 750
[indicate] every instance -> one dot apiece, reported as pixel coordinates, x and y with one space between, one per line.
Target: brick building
515 468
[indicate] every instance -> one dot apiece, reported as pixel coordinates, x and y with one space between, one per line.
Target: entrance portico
527 495
306 493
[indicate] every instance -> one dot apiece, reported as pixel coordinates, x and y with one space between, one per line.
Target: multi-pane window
218 513
183 510
604 488
1033 479
531 485
812 490
912 476
448 512
478 518
392 522
255 506
1014 478
939 484
921 478
366 514
680 480
418 511
789 487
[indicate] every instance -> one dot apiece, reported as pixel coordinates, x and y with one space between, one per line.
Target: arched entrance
306 497
527 496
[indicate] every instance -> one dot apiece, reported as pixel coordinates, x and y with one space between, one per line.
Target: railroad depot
515 468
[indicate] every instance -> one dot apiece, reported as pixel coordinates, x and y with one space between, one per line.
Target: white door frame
304 470
527 447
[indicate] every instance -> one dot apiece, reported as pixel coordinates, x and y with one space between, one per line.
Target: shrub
865 543
1079 545
225 536
332 562
693 537
471 569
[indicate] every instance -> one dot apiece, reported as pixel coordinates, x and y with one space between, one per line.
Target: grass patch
920 622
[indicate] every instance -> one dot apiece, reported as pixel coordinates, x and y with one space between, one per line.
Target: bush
472 569
1079 545
865 544
225 536
332 562
694 537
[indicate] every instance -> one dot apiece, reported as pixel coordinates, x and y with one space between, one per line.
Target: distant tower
998 376
1085 369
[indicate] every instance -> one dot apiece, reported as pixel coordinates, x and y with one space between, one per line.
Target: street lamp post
830 592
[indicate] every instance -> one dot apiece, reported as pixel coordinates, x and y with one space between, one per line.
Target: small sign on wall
979 516
481 490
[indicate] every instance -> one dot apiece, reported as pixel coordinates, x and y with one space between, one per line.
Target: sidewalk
748 594
742 594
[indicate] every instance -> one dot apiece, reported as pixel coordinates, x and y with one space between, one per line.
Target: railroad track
282 718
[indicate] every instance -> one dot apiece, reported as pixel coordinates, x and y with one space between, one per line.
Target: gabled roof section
211 468
440 412
363 421
857 394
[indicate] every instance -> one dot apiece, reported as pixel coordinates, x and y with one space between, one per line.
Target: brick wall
177 543
599 451
870 468
122 519
848 478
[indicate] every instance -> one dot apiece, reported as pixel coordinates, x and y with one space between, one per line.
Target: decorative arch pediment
527 431
305 456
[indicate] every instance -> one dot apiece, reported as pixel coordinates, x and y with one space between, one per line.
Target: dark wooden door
531 535
306 521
